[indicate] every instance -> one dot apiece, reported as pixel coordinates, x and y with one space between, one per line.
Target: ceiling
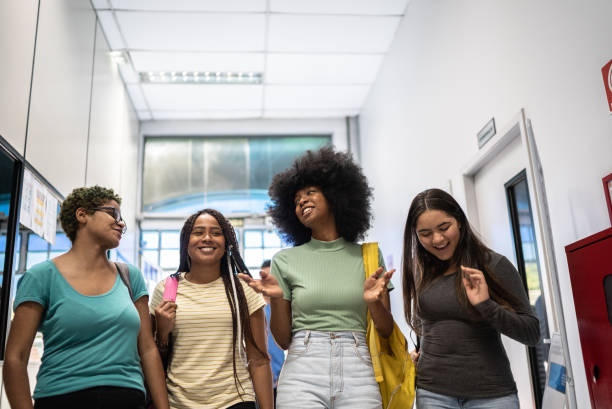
318 58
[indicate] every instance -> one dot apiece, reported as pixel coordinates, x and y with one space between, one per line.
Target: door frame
520 127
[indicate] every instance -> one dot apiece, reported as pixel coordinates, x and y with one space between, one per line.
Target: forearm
155 376
17 384
383 320
280 322
523 327
261 374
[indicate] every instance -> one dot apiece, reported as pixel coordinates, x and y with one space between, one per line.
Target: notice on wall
38 207
554 392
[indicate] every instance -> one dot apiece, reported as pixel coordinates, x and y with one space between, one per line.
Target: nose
438 237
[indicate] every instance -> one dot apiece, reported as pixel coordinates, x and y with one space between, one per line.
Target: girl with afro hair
319 299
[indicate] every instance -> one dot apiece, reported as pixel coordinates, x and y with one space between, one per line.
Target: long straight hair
420 268
241 328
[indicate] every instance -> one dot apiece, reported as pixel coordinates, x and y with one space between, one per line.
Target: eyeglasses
114 213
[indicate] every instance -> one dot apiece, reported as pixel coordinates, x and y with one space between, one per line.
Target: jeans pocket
363 353
298 348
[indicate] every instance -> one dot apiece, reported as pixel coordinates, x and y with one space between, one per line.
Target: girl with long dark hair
216 326
459 296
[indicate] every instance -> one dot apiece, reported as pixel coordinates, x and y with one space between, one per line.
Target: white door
494 227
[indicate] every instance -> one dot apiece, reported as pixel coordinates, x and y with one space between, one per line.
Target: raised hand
267 285
475 285
376 285
165 317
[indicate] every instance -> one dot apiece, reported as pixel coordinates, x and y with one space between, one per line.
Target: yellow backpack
393 368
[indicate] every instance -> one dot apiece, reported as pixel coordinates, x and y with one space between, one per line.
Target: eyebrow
438 226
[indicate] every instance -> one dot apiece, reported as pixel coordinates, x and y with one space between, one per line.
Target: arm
521 325
15 369
376 296
259 364
151 362
280 321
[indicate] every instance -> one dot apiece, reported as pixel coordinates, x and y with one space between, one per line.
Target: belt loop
306 337
356 339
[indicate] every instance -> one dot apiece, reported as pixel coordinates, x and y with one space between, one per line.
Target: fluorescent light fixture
119 57
201 77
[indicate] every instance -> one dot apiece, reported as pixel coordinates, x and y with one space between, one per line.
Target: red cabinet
590 267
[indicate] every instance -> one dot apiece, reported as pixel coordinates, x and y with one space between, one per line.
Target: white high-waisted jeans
328 370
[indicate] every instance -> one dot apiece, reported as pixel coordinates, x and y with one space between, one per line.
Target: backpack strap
124 273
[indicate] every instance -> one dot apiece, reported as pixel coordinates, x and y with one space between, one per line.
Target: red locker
590 267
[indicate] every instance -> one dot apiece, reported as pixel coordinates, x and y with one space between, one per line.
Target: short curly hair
343 184
87 198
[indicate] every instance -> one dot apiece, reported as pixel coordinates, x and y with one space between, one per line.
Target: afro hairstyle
343 184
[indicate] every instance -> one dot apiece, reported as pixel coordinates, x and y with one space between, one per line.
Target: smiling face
311 207
206 242
438 233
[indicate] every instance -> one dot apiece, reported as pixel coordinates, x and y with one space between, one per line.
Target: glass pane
37 243
53 254
149 239
169 259
151 256
253 258
35 257
270 252
226 165
62 243
252 238
271 239
170 240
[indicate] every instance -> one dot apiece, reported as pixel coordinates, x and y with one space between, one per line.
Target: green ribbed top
324 282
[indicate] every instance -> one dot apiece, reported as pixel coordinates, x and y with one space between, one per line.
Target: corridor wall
455 64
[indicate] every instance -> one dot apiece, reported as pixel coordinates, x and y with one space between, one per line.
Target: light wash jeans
330 370
430 400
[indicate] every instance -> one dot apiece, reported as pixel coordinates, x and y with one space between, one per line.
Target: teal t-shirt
324 282
88 340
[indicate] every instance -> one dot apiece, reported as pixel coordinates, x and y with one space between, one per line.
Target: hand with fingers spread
165 316
375 286
267 285
475 285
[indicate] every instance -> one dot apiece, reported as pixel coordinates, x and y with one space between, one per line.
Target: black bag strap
124 273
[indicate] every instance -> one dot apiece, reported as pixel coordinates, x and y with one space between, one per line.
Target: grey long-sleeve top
465 358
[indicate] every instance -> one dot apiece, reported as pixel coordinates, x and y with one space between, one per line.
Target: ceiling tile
208 114
386 7
314 97
322 68
192 5
202 97
111 30
350 34
166 61
192 31
137 97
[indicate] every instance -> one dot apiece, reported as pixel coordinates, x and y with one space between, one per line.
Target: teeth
306 211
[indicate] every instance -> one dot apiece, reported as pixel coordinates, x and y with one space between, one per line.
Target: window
259 245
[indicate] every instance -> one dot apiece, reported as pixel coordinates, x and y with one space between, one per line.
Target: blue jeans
429 400
328 370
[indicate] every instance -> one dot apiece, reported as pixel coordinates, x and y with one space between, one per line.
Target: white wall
335 126
454 65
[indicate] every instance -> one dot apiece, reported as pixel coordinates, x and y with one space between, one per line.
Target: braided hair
233 288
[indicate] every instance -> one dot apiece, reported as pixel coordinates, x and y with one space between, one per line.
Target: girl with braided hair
216 325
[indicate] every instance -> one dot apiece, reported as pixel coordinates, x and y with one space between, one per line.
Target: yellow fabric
393 368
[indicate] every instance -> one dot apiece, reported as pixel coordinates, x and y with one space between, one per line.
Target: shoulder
42 270
501 266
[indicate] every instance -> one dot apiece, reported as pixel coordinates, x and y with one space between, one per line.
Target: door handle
595 373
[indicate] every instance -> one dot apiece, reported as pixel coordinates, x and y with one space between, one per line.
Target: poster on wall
38 208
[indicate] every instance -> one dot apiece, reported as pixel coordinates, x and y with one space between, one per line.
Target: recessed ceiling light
201 77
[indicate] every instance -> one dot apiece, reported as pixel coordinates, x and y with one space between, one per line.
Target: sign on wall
38 208
606 71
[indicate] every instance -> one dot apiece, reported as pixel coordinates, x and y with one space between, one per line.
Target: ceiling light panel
280 97
207 114
197 97
192 31
340 34
192 5
202 78
111 30
319 69
166 61
386 7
